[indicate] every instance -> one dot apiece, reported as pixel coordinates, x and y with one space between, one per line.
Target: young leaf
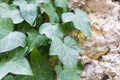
41 68
16 64
66 74
35 39
62 3
79 19
10 11
51 30
28 11
10 39
50 11
67 51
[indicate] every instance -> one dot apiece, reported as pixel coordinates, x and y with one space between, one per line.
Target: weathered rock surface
101 53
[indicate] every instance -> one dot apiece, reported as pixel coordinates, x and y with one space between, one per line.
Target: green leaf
9 77
41 69
22 27
67 51
62 3
79 19
50 11
35 39
39 20
28 11
10 12
10 39
68 27
66 74
16 63
51 30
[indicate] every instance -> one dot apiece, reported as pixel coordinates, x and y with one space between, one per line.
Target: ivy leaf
38 60
67 51
10 39
22 27
51 30
41 68
28 11
62 3
10 11
50 11
16 63
66 74
79 19
9 77
35 39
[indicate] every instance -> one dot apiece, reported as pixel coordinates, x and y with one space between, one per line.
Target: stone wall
101 53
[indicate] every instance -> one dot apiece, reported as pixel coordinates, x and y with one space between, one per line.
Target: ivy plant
35 40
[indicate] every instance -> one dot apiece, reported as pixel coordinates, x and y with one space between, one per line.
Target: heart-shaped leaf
79 19
35 39
67 51
66 74
51 30
10 39
28 11
40 67
10 11
16 63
